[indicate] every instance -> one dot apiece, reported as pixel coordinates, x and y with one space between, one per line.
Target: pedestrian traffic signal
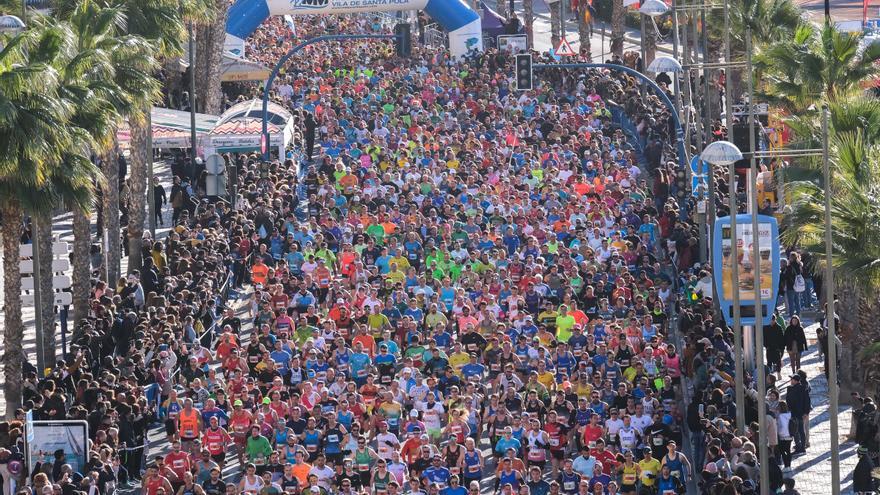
403 40
524 72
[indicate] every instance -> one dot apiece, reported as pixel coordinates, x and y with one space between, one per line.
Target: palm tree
855 222
618 16
584 28
32 136
110 75
161 22
86 86
770 21
209 56
816 64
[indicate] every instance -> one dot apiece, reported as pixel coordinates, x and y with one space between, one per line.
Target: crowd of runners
450 288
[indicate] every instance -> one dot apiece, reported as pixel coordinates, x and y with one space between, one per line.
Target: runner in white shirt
432 416
386 443
324 472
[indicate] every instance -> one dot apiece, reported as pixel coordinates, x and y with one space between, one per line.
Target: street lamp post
726 153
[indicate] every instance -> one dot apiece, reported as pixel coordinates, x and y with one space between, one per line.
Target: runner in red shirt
593 432
608 460
178 461
558 434
240 423
154 483
215 439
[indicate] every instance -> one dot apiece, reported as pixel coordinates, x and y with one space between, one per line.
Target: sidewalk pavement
812 471
600 41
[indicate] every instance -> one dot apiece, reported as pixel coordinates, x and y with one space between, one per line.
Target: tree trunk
111 259
10 214
618 14
138 191
82 240
556 22
713 55
209 56
44 230
649 35
584 28
529 20
848 310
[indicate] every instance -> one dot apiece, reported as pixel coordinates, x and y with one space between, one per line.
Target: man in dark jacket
863 482
799 404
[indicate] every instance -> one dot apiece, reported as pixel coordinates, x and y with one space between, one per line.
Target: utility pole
707 127
734 242
833 388
38 296
192 102
151 183
763 455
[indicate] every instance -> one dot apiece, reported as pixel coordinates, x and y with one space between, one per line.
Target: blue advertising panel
725 252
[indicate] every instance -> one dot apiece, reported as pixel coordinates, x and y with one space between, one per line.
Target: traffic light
403 40
681 183
524 72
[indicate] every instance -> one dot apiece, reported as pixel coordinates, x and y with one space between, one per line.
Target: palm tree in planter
87 85
32 136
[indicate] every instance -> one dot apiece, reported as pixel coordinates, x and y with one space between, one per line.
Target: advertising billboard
737 249
46 437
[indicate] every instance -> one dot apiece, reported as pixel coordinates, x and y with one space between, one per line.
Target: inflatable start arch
462 23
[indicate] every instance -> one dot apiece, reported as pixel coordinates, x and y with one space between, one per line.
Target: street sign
699 185
698 166
758 108
728 249
699 177
564 49
215 164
